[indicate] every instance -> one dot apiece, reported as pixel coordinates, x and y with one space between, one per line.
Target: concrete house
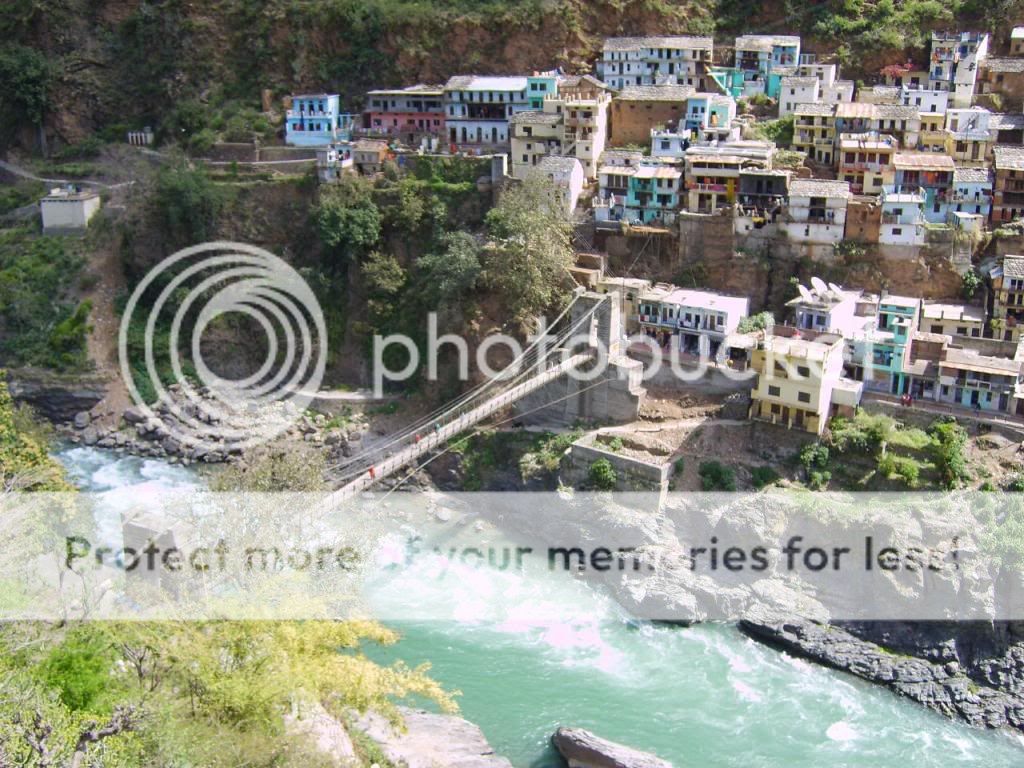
617 166
816 213
713 171
411 112
567 175
1008 184
865 161
758 56
585 104
1017 41
794 91
949 319
827 309
692 321
68 210
970 139
334 160
903 221
1004 76
954 63
540 86
369 155
673 60
535 135
478 110
316 119
972 191
876 355
928 171
1008 298
800 382
814 131
653 194
637 109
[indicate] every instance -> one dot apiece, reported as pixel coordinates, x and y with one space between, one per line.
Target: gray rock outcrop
582 749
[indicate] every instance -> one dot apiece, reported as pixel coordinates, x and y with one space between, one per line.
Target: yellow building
814 131
800 382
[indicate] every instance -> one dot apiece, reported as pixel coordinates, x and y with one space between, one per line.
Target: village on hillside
772 148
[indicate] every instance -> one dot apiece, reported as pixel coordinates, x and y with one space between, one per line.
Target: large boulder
582 749
431 740
57 397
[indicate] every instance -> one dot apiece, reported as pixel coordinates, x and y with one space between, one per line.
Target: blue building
316 119
972 191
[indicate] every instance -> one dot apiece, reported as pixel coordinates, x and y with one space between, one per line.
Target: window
774 391
803 397
897 231
803 370
776 409
961 330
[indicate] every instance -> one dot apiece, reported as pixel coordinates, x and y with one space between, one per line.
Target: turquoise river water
562 652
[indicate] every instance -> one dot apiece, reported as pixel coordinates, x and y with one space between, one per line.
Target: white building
477 109
817 211
333 160
67 210
902 217
926 100
954 63
797 90
568 177
696 322
827 308
675 60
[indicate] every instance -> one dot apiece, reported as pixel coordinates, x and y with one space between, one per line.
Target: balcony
707 187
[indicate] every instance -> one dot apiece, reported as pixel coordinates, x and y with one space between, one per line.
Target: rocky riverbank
135 433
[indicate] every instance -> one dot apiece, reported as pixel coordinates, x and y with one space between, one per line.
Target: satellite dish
836 289
804 293
819 285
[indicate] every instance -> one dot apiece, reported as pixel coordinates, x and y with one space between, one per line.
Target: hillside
82 66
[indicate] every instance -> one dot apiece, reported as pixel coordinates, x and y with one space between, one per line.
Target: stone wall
632 474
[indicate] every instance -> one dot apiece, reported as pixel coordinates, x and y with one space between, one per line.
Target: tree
948 452
26 76
449 275
762 321
531 253
186 204
971 284
347 219
25 462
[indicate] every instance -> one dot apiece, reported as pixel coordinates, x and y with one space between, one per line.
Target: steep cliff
129 62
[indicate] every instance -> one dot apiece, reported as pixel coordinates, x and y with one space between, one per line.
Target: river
561 652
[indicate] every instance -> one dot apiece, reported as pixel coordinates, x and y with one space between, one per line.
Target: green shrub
814 456
1016 485
715 476
818 481
602 475
762 476
900 468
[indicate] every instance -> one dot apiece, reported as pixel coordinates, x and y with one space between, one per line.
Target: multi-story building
629 290
897 120
566 173
653 193
972 380
903 221
535 135
369 155
1008 129
585 103
865 161
713 171
762 192
931 172
1008 185
1008 298
315 119
953 320
970 140
757 56
972 191
333 160
540 86
800 382
925 100
933 136
826 308
617 166
816 213
709 118
413 111
794 91
695 322
877 353
954 62
678 60
814 131
478 109
637 109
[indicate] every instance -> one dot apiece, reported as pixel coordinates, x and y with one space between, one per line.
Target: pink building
414 111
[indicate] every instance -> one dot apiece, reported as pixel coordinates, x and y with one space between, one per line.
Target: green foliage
902 468
949 439
785 159
20 195
1016 485
25 463
762 476
348 221
759 322
267 470
186 204
971 284
78 669
26 77
779 131
715 476
450 275
602 475
814 456
818 480
546 454
38 325
615 444
531 254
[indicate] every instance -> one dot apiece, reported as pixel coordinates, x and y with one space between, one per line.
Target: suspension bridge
571 344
